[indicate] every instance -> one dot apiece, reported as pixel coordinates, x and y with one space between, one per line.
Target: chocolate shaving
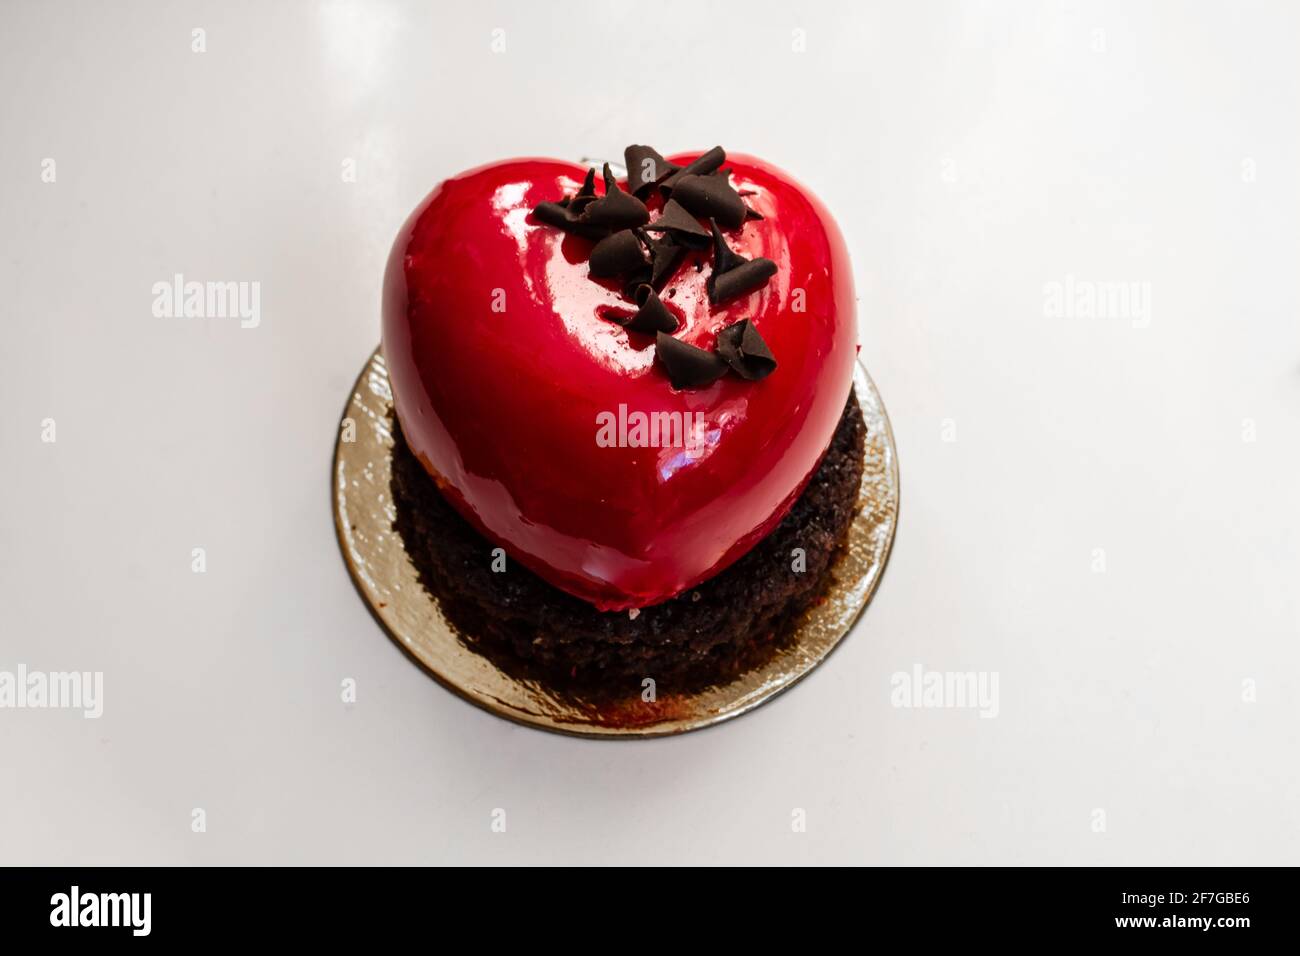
684 228
733 274
559 214
742 193
635 281
616 209
664 256
686 365
620 224
705 164
642 175
652 316
586 195
744 350
617 255
752 275
724 257
553 213
710 197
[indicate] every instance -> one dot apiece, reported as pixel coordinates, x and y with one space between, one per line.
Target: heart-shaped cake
621 385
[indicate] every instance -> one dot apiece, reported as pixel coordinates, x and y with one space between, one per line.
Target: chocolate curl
711 197
652 316
686 365
744 350
724 259
617 255
642 175
702 166
684 228
749 213
664 256
633 283
734 275
741 280
586 195
616 209
562 217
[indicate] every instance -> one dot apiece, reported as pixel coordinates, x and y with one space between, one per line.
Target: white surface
972 153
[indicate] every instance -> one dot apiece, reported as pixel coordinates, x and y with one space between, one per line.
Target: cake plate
386 579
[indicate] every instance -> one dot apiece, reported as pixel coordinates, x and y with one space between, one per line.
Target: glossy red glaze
502 406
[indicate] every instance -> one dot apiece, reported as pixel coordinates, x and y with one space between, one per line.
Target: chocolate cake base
708 634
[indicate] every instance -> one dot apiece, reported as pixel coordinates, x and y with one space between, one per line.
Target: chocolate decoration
617 255
664 256
635 281
740 280
667 255
703 165
724 258
616 209
619 223
553 213
559 214
586 195
710 197
681 225
687 366
742 193
634 158
733 274
744 350
652 316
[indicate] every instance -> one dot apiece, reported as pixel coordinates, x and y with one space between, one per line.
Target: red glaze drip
502 406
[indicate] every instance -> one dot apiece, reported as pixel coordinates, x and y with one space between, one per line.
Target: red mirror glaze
502 406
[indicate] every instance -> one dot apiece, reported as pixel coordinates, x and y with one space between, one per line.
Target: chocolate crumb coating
708 634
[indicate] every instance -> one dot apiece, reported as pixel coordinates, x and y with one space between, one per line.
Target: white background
973 153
